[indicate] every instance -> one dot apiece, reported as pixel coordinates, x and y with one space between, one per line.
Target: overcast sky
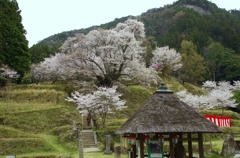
43 18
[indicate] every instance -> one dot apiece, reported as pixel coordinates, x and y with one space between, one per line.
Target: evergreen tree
193 69
13 43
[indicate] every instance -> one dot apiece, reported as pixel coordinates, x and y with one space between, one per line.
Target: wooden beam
190 154
182 139
200 145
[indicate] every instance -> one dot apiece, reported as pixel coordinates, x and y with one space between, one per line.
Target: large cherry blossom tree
103 55
109 55
100 103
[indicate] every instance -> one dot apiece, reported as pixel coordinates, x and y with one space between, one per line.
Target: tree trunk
95 123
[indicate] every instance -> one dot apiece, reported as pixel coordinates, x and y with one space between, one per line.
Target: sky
43 18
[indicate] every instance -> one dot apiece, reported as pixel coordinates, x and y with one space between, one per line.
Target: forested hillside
213 31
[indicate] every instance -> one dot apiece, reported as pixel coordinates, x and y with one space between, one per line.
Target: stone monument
108 144
228 148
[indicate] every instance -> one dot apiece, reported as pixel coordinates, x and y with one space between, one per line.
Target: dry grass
34 96
16 107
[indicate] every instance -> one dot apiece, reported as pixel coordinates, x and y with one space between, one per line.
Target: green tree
222 62
40 51
13 43
193 69
232 68
212 55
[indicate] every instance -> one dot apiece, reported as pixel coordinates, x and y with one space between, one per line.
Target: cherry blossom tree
209 85
109 55
100 103
103 55
220 95
37 73
197 102
224 85
168 59
52 69
222 99
221 85
6 72
236 85
6 75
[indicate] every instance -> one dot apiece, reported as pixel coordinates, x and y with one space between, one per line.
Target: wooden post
134 151
180 138
141 145
131 154
179 146
171 146
135 148
200 145
190 154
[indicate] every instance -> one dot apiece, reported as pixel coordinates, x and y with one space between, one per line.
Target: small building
165 118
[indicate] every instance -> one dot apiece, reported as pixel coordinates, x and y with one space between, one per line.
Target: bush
27 79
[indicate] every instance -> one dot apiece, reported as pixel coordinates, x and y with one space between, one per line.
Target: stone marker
78 135
80 143
74 126
108 143
117 152
228 148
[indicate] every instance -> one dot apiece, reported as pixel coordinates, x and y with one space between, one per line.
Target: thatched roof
165 113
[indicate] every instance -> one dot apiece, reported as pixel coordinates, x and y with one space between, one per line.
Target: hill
184 17
36 121
215 32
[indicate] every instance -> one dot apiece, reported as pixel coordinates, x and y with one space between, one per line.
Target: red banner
220 121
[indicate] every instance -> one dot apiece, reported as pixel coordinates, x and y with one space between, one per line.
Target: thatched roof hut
164 113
